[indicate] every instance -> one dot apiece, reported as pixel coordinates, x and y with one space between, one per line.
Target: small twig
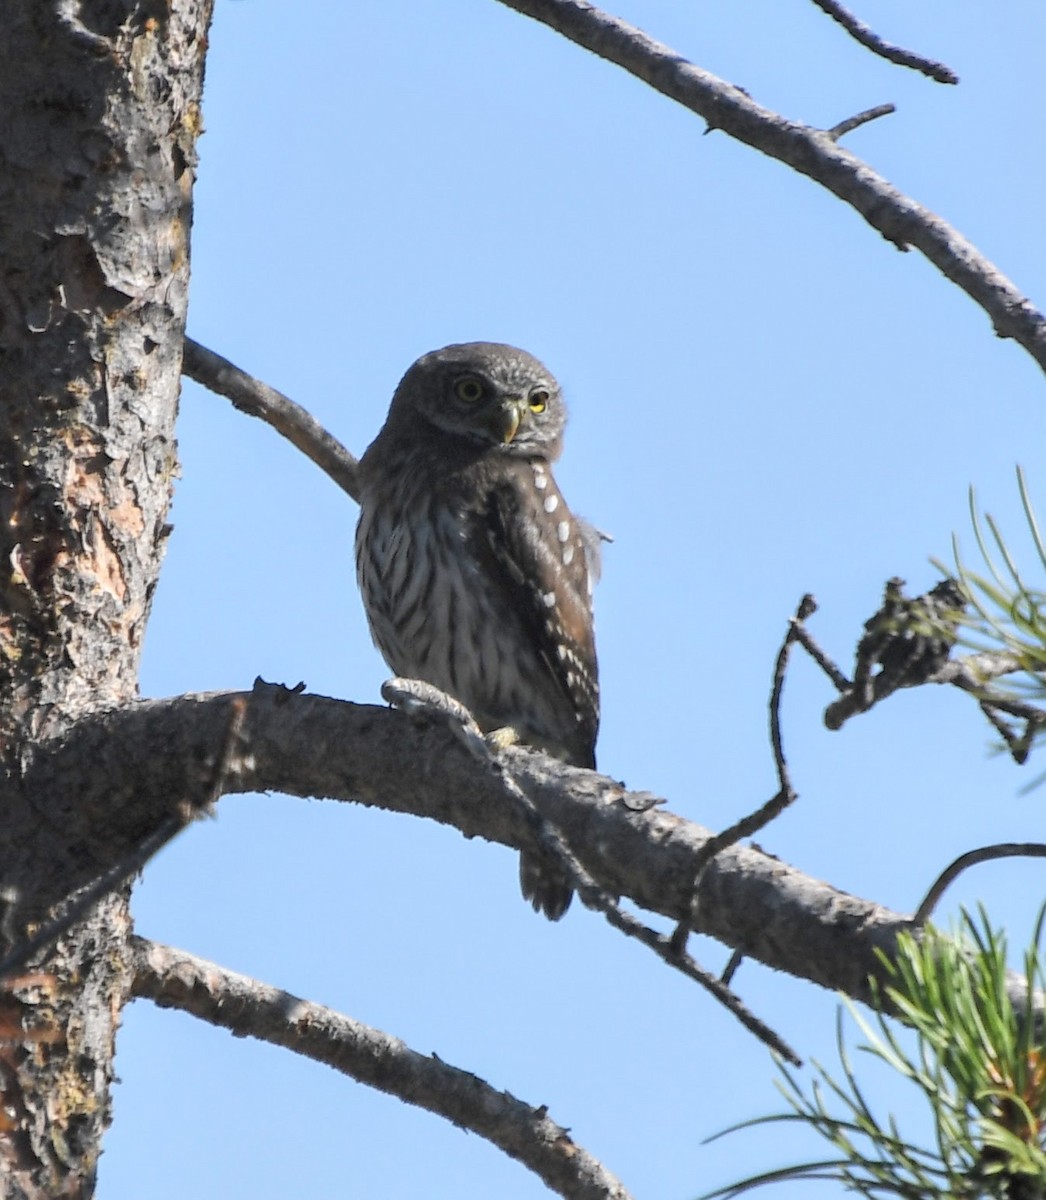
175 979
973 670
662 946
871 41
806 639
862 118
257 399
128 866
422 700
992 697
1019 745
107 882
807 608
970 674
970 859
785 794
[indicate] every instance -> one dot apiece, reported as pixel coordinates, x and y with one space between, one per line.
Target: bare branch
1018 744
806 639
871 41
257 399
785 791
970 859
969 677
753 822
811 152
973 671
862 118
175 979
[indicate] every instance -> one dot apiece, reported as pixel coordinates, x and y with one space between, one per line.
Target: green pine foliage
978 1060
1008 614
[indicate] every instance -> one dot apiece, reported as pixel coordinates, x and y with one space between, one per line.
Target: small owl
475 575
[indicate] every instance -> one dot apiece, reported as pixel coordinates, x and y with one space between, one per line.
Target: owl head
495 397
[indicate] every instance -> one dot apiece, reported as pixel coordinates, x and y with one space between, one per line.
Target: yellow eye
468 389
539 398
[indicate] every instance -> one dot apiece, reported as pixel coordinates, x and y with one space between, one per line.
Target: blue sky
766 399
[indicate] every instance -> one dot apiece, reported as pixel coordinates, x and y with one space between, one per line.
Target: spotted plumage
475 575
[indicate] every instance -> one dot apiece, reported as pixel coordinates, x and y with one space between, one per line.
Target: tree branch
971 859
809 151
110 777
415 697
872 41
124 868
861 118
785 795
257 399
175 979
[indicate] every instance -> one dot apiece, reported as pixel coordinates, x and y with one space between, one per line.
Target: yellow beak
505 419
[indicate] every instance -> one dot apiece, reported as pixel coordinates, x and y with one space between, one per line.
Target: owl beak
505 419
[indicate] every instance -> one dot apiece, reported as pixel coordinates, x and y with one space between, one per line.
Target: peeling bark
97 153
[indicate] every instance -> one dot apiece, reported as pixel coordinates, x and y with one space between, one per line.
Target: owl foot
501 739
421 701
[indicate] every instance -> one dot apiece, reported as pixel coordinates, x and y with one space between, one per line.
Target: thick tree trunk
100 114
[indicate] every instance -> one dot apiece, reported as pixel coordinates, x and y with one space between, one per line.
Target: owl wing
541 555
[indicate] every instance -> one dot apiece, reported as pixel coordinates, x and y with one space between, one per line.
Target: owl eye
539 399
468 389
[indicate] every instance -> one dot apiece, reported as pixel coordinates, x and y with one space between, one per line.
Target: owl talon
421 701
501 739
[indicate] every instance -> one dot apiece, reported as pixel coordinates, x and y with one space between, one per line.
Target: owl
475 575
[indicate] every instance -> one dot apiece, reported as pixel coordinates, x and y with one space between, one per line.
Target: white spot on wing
540 478
551 503
563 530
549 598
568 555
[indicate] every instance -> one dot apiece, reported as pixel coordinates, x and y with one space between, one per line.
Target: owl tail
544 885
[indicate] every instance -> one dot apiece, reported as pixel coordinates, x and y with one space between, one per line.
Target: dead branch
970 859
175 979
812 152
872 41
753 822
861 118
257 399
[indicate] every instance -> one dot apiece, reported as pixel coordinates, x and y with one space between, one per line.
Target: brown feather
473 571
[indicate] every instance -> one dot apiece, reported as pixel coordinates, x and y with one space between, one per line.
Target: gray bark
100 104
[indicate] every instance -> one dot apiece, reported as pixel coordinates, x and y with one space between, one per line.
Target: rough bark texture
137 766
100 104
